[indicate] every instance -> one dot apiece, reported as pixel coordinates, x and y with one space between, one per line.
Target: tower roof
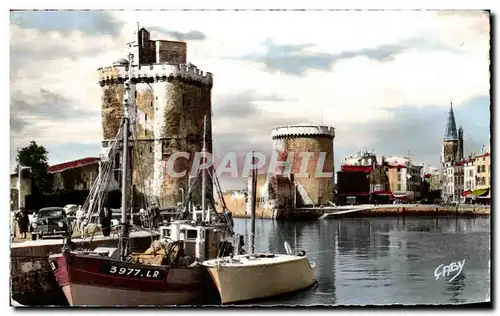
451 127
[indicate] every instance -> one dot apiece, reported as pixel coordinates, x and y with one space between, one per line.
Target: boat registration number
132 272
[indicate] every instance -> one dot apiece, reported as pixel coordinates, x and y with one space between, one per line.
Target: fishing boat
168 273
246 277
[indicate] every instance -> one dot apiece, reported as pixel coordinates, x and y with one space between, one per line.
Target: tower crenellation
154 73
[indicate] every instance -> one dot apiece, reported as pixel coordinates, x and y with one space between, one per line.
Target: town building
432 176
469 179
452 151
75 175
353 184
458 182
363 179
169 101
483 178
405 178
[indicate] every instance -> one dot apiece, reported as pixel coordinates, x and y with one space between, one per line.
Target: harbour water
381 261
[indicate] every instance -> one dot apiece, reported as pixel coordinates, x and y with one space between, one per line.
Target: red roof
483 155
428 175
353 168
73 164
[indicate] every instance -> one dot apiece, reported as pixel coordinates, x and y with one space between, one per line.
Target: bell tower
451 143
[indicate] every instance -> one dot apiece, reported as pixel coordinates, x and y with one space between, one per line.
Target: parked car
51 221
71 209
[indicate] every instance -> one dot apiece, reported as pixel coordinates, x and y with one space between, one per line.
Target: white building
469 175
406 180
448 182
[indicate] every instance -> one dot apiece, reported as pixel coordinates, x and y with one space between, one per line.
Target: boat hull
89 280
249 282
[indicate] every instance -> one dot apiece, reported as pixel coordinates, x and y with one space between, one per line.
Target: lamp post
20 169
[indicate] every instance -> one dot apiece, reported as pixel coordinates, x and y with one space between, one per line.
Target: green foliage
35 157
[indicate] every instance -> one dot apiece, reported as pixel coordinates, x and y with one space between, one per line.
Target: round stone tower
316 184
170 100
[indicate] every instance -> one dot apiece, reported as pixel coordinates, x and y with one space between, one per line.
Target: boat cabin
201 242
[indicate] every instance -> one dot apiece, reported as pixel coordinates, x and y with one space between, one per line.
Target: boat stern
58 265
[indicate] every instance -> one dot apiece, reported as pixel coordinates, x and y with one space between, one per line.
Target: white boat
258 275
249 277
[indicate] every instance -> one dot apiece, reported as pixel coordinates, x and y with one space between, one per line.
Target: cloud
89 22
297 59
371 80
180 36
47 105
243 105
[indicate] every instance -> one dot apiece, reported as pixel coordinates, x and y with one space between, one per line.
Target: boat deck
247 260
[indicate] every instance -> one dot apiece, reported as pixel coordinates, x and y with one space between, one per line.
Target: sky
383 79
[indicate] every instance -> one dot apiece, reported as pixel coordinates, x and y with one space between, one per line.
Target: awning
401 196
481 192
466 193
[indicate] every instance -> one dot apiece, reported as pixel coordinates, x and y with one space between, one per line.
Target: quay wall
32 281
237 206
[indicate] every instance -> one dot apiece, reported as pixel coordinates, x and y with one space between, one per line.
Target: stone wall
319 189
450 150
171 52
169 105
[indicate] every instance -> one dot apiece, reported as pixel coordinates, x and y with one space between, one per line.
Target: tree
35 156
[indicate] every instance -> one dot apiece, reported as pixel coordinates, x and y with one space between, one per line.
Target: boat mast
253 205
126 123
204 175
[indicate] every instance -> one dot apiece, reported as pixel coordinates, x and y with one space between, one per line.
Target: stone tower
170 99
317 140
450 152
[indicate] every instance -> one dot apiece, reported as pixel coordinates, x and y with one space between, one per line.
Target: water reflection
383 260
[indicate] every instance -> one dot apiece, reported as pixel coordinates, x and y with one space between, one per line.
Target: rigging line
103 175
94 189
212 176
142 180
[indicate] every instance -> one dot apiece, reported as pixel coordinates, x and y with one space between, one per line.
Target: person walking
23 222
84 222
142 216
106 215
79 219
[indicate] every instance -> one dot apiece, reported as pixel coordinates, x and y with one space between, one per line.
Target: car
51 221
71 209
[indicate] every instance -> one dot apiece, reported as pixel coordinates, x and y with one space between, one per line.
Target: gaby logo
445 270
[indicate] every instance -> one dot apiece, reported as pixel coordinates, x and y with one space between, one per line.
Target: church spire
451 127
